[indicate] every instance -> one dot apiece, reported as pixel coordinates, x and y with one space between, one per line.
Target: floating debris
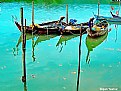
49 45
60 65
74 72
33 76
111 49
110 66
119 50
64 78
81 71
103 65
119 62
3 67
64 87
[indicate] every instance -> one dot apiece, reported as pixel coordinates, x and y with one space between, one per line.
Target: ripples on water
55 67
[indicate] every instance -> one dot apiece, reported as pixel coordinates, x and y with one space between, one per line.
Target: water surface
55 67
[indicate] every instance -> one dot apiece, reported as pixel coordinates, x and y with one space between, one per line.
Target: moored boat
55 27
98 29
92 43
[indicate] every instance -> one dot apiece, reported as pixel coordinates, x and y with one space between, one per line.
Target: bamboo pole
32 12
98 7
79 65
23 48
25 87
67 14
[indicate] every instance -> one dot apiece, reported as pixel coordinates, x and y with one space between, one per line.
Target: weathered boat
45 28
92 43
75 29
55 27
100 28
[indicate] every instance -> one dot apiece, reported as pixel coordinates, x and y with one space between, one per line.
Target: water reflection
116 27
63 40
79 63
35 40
92 43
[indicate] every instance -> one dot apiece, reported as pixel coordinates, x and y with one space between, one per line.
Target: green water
55 66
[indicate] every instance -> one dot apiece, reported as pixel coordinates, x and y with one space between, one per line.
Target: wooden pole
98 7
25 87
79 65
23 48
32 13
67 14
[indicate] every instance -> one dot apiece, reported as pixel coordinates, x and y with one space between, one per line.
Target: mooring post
98 7
79 63
25 35
23 48
25 87
32 16
67 14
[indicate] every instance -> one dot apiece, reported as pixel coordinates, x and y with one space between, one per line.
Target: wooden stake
79 60
25 87
67 14
98 7
23 48
32 13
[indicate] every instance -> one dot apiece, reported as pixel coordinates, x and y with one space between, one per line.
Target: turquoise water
55 68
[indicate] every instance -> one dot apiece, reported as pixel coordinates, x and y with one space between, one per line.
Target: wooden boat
92 43
102 17
55 27
100 29
45 28
51 27
75 29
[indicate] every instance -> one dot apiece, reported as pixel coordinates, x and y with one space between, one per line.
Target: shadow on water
92 43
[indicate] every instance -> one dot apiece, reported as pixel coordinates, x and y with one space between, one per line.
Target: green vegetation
61 1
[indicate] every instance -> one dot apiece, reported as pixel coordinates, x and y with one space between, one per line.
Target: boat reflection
92 43
37 39
63 40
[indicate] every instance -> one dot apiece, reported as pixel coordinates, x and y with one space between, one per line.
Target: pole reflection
79 63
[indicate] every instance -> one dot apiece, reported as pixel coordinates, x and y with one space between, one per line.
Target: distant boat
92 43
